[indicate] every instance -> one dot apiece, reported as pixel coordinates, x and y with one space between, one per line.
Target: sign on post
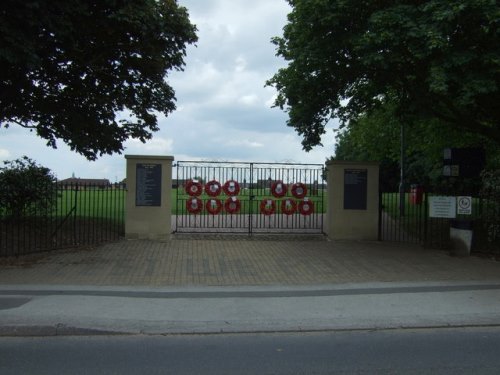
464 205
443 207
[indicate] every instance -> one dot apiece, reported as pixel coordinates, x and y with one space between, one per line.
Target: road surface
423 351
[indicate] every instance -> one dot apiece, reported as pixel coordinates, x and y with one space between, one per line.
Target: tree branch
467 123
26 126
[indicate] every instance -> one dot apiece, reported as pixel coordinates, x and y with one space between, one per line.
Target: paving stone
243 260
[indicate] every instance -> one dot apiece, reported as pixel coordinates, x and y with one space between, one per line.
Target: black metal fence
406 218
71 215
233 197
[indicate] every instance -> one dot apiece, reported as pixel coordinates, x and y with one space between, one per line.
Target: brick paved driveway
243 261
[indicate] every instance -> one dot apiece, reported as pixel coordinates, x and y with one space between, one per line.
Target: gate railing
239 197
77 215
413 224
408 225
408 220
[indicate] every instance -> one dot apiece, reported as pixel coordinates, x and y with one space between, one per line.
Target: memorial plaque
355 189
148 185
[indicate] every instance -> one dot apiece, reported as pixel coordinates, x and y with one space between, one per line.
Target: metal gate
237 197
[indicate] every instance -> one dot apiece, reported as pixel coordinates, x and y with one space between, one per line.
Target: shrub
491 193
26 189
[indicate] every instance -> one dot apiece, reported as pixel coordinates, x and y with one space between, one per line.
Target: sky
224 111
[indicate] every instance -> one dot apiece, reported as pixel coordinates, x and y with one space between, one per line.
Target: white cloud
4 154
240 64
157 145
249 100
243 143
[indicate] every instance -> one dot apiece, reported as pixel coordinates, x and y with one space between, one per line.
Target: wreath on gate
194 205
213 206
232 205
194 188
288 206
213 188
278 189
267 206
306 207
299 190
231 187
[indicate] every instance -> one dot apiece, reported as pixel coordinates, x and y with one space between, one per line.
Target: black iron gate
405 218
237 197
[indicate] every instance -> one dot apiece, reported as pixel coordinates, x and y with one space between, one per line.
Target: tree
491 193
433 59
26 188
90 72
375 136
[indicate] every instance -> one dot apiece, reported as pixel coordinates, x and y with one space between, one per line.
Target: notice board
443 207
355 189
148 185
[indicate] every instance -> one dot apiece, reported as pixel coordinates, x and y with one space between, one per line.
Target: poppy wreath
299 190
267 206
194 205
278 189
214 206
288 206
194 188
232 205
306 207
231 188
213 188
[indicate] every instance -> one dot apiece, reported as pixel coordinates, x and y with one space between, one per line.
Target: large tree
376 136
90 72
434 59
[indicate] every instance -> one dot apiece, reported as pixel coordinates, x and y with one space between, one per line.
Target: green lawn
111 203
95 203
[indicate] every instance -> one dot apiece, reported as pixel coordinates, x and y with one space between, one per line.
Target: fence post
380 197
148 198
426 216
353 209
76 237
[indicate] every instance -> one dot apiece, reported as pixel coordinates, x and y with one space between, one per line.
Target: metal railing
413 224
72 215
256 207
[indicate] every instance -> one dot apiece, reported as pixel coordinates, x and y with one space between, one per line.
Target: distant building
86 182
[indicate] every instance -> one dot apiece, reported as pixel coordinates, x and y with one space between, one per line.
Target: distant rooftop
86 181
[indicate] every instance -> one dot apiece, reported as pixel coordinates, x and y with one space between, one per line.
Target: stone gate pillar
353 200
148 204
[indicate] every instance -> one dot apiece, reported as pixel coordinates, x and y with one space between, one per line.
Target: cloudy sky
223 109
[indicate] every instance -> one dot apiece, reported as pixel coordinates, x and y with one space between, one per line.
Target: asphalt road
436 351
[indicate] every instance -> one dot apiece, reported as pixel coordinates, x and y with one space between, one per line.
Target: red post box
416 194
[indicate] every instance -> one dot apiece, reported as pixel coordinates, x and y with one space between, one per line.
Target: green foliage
376 136
91 73
491 193
432 59
26 189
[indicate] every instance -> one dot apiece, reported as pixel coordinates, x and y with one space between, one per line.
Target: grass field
111 203
94 203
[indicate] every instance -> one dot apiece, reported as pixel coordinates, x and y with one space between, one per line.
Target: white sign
464 205
445 207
